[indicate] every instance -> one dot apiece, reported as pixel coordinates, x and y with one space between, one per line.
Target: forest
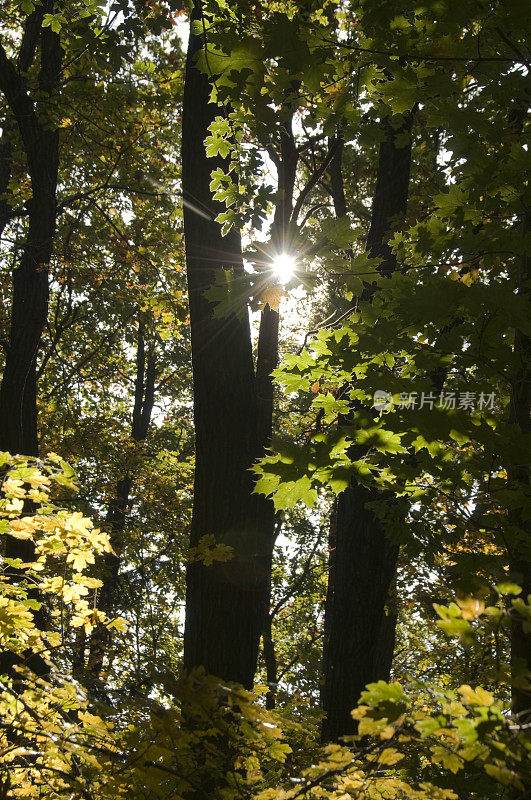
265 358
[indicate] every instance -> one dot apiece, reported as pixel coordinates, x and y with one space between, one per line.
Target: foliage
46 721
54 742
427 740
438 336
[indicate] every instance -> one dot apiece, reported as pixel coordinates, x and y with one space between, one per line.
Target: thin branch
420 56
511 45
296 583
314 179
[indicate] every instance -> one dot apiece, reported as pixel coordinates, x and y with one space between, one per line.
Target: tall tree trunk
25 57
520 544
225 602
18 389
359 635
116 519
18 402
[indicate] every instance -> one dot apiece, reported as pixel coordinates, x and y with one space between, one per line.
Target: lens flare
284 266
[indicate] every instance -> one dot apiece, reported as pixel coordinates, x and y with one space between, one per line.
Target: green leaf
279 751
27 6
385 441
54 21
290 493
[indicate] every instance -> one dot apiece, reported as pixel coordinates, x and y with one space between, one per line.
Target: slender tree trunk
286 161
359 634
270 659
335 170
117 513
225 602
390 195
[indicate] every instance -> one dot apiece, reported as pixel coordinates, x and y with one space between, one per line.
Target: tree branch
314 179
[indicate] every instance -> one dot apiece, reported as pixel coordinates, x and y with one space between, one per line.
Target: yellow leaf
476 697
390 756
450 760
272 296
470 607
119 623
504 775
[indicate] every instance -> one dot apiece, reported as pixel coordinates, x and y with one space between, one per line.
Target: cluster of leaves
63 544
45 720
427 740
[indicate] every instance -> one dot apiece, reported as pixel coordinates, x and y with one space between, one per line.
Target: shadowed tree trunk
520 542
18 408
359 634
225 602
40 140
519 535
6 147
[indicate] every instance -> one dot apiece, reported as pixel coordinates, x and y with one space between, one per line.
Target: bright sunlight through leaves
284 266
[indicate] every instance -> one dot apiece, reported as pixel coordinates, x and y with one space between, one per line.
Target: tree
40 138
225 602
359 625
443 315
144 399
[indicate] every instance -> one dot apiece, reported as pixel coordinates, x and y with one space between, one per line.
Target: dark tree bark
359 634
519 536
40 140
390 195
18 408
225 602
144 398
286 161
6 146
520 543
